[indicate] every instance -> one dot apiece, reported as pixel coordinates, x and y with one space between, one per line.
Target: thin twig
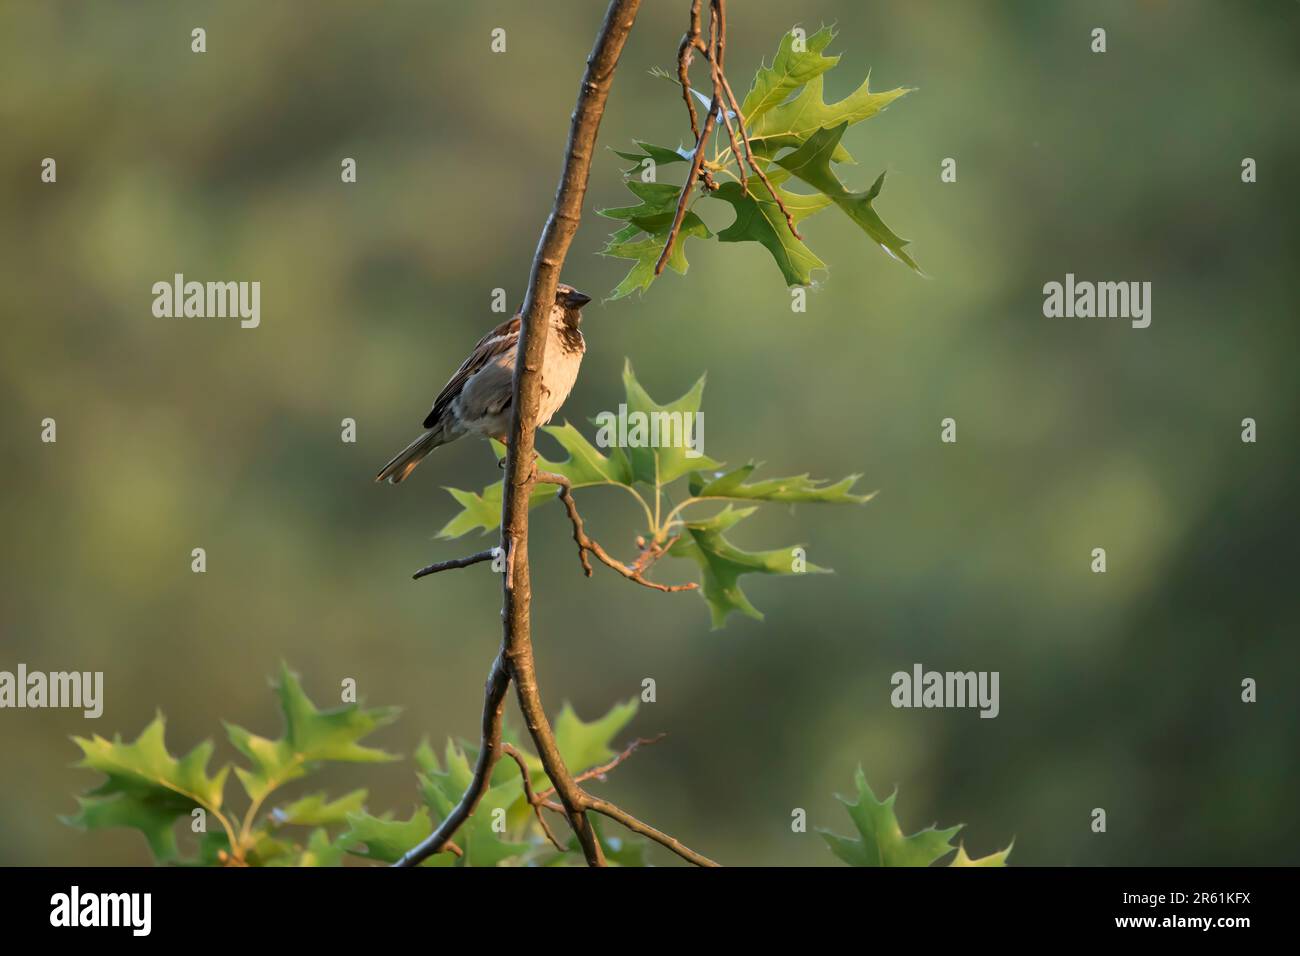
605 768
652 552
685 53
608 809
749 155
456 563
731 131
494 695
604 807
716 62
697 158
715 53
586 543
534 800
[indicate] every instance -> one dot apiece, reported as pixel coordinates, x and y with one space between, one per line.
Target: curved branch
515 661
606 767
608 809
536 801
494 696
715 52
697 158
553 248
586 543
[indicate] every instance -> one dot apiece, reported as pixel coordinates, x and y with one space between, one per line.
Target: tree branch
749 153
607 767
557 235
715 52
515 662
685 53
697 158
455 563
586 543
494 696
536 801
608 809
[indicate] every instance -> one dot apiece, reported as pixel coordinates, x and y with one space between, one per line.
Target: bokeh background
1118 691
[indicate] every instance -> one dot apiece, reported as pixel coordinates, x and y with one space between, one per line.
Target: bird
476 400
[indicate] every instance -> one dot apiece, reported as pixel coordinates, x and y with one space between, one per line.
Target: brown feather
504 338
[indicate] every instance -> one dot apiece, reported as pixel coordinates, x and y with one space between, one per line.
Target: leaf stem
654 530
221 817
246 828
649 516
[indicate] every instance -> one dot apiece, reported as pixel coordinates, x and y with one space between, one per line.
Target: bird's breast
559 372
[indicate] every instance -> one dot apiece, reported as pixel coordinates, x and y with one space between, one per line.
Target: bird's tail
410 456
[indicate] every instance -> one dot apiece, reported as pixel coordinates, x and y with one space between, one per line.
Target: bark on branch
515 663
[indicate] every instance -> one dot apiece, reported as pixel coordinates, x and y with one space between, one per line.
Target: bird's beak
576 300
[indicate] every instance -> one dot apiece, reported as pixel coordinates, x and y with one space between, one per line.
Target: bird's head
571 301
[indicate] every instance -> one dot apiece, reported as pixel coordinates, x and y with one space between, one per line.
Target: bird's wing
504 338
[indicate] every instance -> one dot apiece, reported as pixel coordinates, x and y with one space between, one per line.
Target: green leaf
315 810
790 70
385 840
671 459
585 466
993 859
319 851
811 162
589 744
793 489
662 156
477 510
645 252
153 818
582 744
791 123
310 737
759 219
655 211
261 849
723 564
146 788
880 840
653 217
479 837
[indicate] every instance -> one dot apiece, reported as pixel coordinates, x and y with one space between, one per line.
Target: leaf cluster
148 789
795 137
676 520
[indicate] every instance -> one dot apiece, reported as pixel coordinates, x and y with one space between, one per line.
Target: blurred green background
1118 691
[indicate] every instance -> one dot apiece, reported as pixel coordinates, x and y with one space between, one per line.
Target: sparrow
477 398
